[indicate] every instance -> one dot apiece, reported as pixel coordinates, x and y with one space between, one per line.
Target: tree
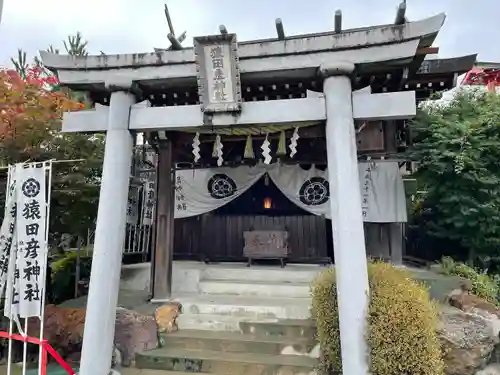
458 150
20 64
31 109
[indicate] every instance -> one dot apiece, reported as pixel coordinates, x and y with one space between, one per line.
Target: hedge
402 323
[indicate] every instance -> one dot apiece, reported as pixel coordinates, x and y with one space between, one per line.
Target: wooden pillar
164 242
390 137
396 243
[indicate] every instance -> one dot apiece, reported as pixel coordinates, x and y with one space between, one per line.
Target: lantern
267 203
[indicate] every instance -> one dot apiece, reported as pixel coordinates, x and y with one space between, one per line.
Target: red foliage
31 106
34 77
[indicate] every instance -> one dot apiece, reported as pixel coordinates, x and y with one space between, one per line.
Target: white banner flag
31 239
149 189
12 286
7 229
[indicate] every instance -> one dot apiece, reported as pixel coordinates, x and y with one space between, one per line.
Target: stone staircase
242 321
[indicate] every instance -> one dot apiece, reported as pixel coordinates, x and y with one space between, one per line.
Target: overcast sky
128 26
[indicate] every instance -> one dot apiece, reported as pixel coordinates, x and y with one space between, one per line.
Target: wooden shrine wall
220 237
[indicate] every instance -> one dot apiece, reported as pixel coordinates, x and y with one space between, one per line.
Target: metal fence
141 205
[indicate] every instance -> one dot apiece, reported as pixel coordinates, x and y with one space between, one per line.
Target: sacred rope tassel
196 147
266 151
282 144
218 142
293 142
248 154
214 150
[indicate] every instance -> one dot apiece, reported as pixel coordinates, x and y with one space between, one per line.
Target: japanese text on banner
7 229
32 247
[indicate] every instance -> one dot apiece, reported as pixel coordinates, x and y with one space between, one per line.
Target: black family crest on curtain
314 191
31 188
221 186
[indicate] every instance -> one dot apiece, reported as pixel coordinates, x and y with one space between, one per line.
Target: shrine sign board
219 85
265 244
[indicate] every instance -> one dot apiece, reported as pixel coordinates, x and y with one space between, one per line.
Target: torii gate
333 57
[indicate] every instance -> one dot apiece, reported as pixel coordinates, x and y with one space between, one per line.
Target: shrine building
286 149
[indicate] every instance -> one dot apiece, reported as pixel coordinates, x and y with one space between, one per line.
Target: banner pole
48 168
9 355
43 361
25 345
7 294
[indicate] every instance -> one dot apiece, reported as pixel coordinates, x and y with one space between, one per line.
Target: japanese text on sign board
218 74
365 191
180 198
148 179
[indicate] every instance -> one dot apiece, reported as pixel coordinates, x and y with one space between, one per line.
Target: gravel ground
17 370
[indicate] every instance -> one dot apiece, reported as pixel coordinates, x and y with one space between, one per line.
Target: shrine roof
366 47
487 65
452 65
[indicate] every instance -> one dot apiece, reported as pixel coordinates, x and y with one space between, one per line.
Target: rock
495 356
134 333
470 303
490 370
468 339
166 317
64 328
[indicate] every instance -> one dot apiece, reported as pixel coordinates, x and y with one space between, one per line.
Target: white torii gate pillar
109 236
347 221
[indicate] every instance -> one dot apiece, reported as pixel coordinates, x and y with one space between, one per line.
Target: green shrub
483 285
401 323
64 275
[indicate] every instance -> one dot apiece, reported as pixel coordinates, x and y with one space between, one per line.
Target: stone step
224 363
292 328
256 288
137 371
263 326
246 306
239 343
216 322
293 273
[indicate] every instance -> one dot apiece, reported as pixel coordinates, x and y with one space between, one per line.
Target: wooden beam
315 131
427 51
302 64
400 14
222 29
390 137
169 21
338 21
386 106
164 243
175 44
280 29
252 113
